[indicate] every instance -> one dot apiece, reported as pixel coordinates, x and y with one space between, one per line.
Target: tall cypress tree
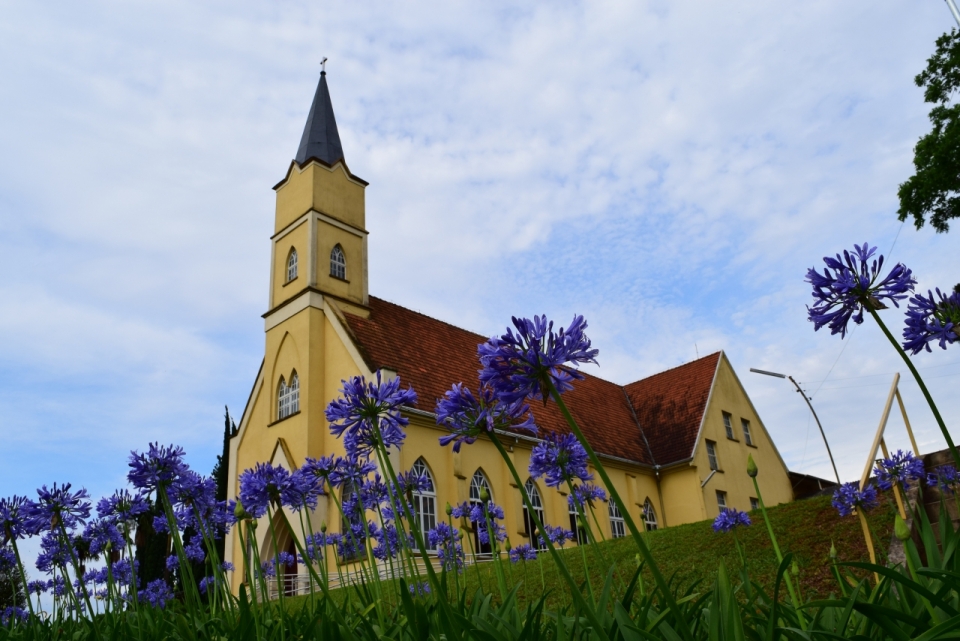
222 468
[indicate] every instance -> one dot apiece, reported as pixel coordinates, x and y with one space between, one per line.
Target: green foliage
11 588
934 189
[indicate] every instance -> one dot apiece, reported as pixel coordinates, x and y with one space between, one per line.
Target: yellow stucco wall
327 190
729 396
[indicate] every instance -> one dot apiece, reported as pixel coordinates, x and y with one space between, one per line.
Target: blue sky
668 169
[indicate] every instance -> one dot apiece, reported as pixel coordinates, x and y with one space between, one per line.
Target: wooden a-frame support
880 443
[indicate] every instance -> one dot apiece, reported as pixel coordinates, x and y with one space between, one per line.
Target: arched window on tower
291 264
529 523
288 397
338 263
649 516
425 501
617 526
478 483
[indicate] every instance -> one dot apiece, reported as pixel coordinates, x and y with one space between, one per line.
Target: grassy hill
692 552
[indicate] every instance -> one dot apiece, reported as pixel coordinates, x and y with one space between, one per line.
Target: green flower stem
248 570
418 537
401 532
495 550
276 571
681 621
65 538
190 594
776 548
581 519
559 565
23 574
923 387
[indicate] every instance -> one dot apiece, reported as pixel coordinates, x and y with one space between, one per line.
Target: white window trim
291 264
425 503
618 527
338 263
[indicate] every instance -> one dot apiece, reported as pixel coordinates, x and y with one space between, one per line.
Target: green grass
692 552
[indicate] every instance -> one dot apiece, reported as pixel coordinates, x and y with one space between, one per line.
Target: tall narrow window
649 516
529 523
617 526
288 397
728 425
712 455
477 484
754 504
338 264
292 265
746 431
575 524
722 501
425 501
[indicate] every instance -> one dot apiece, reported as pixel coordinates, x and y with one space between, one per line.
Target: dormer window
338 264
292 265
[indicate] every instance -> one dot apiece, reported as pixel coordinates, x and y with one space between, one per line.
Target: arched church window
618 528
529 523
649 516
291 264
479 483
338 263
425 501
288 397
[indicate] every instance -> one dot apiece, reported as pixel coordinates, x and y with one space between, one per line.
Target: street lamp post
812 411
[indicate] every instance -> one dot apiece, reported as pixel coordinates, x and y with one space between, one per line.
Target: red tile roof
431 356
670 407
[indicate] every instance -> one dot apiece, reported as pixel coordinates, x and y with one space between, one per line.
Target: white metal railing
302 583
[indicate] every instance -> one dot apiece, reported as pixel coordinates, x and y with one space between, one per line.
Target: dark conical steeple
320 139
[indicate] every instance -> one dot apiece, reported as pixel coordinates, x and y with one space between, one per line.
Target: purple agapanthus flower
122 506
584 495
848 498
930 320
461 510
527 363
13 519
268 484
419 589
480 513
55 507
561 459
851 284
901 467
523 552
37 587
446 541
468 416
556 534
157 594
101 533
12 615
159 467
369 412
728 520
945 478
314 547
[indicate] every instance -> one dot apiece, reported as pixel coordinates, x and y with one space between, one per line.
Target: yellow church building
675 444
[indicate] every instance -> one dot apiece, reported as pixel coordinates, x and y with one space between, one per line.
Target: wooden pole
869 539
906 421
896 487
872 456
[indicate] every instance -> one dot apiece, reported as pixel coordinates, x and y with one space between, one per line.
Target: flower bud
833 551
484 494
901 529
794 568
751 466
449 510
238 511
323 527
508 546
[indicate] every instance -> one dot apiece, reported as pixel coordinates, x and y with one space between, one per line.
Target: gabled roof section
670 407
321 139
431 356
